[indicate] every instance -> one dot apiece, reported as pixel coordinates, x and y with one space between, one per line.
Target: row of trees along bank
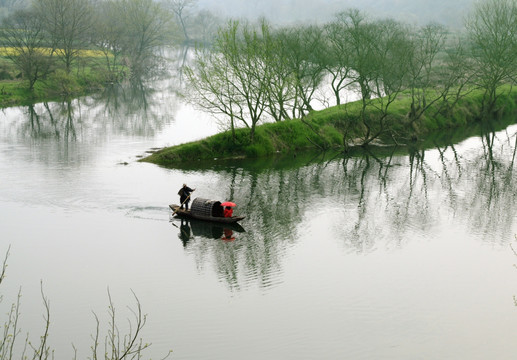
55 38
257 72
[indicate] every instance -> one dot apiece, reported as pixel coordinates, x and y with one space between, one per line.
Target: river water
378 255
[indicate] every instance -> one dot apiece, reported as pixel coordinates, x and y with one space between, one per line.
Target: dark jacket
184 193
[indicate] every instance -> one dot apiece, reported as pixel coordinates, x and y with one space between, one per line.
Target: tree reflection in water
368 198
371 199
491 201
71 131
133 108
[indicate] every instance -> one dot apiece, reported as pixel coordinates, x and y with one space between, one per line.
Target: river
372 256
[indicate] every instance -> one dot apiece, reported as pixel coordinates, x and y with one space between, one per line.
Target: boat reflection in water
192 228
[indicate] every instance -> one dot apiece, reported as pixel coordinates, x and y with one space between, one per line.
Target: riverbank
16 93
338 128
84 78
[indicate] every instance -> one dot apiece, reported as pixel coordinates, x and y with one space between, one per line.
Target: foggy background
447 12
418 12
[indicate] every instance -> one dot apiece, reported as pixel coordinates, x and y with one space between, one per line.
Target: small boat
204 209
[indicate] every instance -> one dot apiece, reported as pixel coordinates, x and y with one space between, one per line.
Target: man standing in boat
184 194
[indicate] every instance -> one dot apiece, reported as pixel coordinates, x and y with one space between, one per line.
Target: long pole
175 211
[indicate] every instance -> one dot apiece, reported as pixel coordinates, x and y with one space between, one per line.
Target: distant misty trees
7 7
250 72
66 26
198 26
256 72
129 32
446 12
47 36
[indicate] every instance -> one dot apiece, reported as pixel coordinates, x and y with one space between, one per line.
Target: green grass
86 76
326 129
11 93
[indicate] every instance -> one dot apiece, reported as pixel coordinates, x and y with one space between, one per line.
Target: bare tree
492 30
387 75
302 50
126 346
68 24
233 79
11 330
204 27
338 55
23 32
182 10
423 76
108 36
147 26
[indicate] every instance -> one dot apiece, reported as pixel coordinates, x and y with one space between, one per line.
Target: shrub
63 83
254 151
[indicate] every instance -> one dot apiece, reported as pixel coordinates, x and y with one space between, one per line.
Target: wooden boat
204 209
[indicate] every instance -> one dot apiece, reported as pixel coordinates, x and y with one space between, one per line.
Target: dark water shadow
195 229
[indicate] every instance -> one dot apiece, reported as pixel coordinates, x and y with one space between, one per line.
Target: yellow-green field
6 51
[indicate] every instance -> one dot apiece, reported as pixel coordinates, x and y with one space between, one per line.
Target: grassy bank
338 127
87 75
55 88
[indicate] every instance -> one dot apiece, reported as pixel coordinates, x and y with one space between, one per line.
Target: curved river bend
376 256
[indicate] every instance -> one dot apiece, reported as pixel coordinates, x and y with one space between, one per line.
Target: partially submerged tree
129 32
204 27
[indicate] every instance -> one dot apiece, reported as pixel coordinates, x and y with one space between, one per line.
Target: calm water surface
375 256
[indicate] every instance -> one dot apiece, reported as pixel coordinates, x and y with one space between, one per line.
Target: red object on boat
228 203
